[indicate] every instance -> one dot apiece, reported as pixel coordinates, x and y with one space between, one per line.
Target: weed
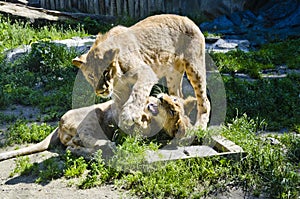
23 166
130 155
266 166
20 132
274 100
75 167
50 169
98 173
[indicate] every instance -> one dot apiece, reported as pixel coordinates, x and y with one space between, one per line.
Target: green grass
268 56
46 69
20 132
17 32
276 101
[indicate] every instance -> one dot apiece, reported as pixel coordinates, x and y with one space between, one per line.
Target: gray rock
17 52
81 45
236 18
291 21
280 9
225 45
219 23
248 18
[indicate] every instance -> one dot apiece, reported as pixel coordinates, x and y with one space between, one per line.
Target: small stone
227 45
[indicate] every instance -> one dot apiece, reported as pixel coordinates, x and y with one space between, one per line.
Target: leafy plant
23 166
266 166
274 100
130 155
50 169
98 173
20 132
74 167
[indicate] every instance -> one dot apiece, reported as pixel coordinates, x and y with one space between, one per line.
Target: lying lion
85 130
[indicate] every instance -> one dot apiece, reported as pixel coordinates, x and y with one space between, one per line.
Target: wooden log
111 8
74 4
62 5
69 5
149 6
47 4
142 8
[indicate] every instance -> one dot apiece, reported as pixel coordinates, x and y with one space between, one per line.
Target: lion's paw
130 118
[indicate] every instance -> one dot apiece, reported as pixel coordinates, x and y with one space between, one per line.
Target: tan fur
127 62
86 130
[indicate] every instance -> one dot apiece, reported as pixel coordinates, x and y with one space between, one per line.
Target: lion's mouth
153 109
103 93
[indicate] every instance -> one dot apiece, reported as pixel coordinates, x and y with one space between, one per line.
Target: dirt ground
25 187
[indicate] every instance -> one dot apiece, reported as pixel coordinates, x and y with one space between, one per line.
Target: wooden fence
132 8
142 8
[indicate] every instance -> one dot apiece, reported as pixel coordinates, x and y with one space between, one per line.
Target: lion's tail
39 147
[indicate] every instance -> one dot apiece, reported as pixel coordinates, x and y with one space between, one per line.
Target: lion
85 130
126 62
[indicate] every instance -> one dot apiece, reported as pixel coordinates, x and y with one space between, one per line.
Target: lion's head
99 69
169 112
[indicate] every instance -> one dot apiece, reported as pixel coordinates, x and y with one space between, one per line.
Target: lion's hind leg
197 79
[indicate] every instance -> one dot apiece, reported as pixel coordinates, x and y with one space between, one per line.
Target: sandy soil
25 186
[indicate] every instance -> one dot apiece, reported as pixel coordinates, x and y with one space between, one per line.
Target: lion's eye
105 75
91 76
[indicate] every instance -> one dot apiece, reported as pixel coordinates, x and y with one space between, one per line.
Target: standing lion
127 62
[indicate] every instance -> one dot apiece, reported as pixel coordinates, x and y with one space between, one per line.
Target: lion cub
88 129
127 62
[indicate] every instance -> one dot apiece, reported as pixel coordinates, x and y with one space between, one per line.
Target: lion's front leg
132 114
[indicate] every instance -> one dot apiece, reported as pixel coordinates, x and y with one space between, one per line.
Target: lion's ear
78 61
112 54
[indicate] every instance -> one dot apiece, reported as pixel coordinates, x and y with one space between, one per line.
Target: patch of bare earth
24 186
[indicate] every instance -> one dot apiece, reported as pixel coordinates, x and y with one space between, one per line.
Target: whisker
116 95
